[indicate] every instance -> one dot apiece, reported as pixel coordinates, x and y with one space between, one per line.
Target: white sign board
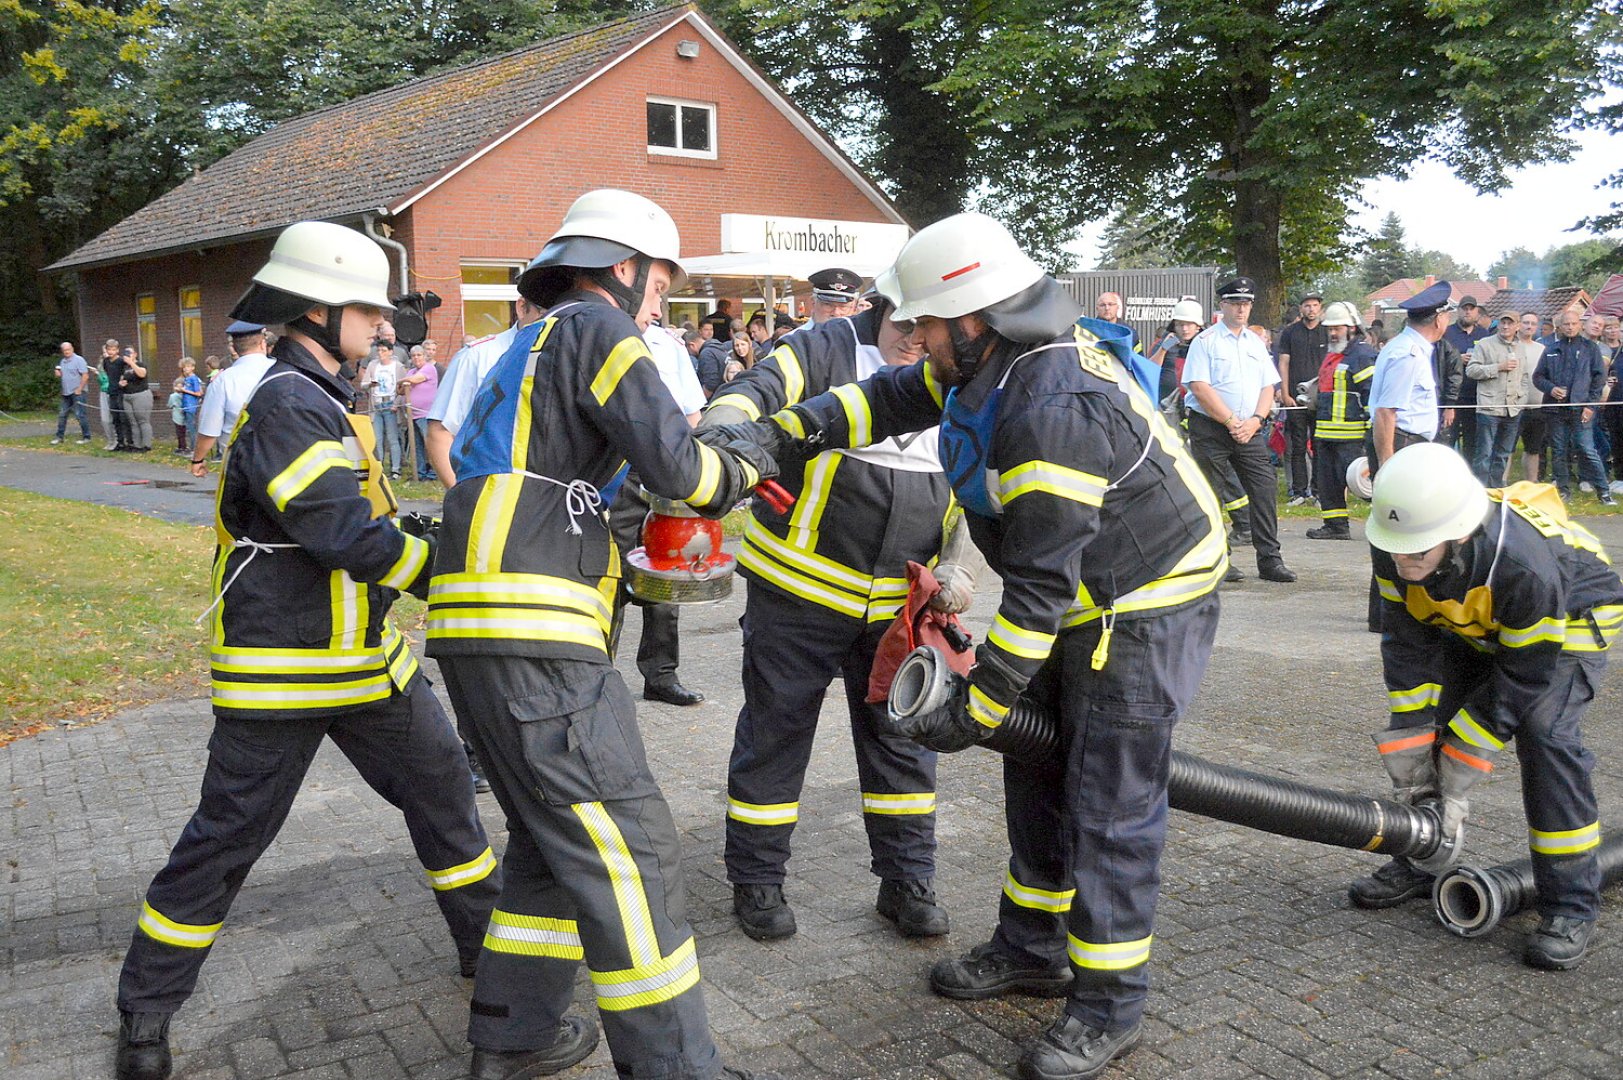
872 244
1155 309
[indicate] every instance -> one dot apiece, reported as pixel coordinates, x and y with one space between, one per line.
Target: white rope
580 498
240 542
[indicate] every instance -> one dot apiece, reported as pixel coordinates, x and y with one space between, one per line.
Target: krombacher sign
862 240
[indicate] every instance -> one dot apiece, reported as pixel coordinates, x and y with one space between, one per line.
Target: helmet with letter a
603 228
1424 495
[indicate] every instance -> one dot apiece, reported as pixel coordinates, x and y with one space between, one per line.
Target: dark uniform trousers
1298 434
404 747
1557 794
1331 460
1217 453
592 869
659 649
1086 833
793 649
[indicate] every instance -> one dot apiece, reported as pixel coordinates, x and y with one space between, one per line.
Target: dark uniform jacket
1102 513
1573 363
1343 411
300 628
525 565
856 523
1526 586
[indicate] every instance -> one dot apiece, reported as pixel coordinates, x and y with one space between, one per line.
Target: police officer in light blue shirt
1403 393
1231 378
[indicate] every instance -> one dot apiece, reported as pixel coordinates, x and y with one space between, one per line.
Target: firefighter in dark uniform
1342 422
519 618
1110 546
309 560
1499 616
826 579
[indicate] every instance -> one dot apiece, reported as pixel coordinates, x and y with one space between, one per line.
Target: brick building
465 174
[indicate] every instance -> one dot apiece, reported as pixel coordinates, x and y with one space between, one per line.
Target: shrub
29 386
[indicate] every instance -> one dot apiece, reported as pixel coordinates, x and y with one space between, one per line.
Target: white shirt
227 393
468 369
383 378
675 369
1406 381
1237 366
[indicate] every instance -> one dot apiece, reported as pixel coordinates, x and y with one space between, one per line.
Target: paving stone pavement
334 962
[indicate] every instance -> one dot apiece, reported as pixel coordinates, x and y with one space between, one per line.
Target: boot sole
756 933
1053 987
1030 1071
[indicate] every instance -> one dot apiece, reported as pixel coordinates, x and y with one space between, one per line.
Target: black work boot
1070 1050
987 971
762 912
732 1072
912 906
1273 568
1233 574
1559 943
577 1038
1390 886
1329 532
480 784
143 1046
1240 536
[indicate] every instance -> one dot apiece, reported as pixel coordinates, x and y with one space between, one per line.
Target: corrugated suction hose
1470 901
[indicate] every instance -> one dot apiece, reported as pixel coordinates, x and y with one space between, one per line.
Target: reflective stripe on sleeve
1056 480
709 476
1541 631
737 401
321 456
983 710
858 416
619 361
1031 644
413 557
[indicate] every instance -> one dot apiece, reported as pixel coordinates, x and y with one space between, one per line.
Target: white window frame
677 151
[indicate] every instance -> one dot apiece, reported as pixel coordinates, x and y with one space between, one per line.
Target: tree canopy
1235 132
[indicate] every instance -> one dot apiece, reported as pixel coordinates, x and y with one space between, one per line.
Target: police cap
238 328
1239 288
1430 300
836 285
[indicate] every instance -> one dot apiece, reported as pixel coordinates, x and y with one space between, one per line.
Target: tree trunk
1257 212
925 143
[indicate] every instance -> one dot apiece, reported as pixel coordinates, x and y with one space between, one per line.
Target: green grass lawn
79 642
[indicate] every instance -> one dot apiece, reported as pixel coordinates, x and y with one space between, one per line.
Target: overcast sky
1441 212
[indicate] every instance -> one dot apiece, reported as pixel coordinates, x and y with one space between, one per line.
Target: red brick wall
506 204
107 306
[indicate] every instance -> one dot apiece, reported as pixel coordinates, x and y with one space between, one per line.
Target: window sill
688 162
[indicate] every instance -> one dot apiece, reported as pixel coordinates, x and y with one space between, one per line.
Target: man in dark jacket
710 362
309 559
1572 375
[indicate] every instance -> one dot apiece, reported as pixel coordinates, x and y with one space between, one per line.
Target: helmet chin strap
967 351
329 335
628 297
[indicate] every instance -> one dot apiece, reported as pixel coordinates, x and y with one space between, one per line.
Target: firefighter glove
945 729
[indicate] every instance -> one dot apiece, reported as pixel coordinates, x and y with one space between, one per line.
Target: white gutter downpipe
369 220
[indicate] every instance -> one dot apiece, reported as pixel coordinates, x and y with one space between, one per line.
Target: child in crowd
177 413
191 396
